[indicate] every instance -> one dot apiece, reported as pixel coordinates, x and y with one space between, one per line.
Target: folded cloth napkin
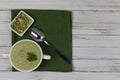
57 27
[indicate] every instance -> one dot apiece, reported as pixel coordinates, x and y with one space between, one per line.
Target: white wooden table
96 39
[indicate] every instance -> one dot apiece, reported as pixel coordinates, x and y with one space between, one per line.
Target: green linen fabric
57 27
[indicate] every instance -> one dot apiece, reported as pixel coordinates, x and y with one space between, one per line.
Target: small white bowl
22 33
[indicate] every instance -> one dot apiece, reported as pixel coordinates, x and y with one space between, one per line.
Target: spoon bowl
36 34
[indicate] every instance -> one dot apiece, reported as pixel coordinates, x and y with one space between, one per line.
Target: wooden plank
59 76
97 65
62 4
5 65
96 53
96 16
5 40
96 41
43 4
4 52
96 29
4 28
5 15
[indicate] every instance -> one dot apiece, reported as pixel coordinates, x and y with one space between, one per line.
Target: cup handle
46 57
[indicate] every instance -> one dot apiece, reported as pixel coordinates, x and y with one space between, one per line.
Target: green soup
25 55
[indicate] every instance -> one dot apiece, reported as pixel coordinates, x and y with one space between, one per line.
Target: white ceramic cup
47 57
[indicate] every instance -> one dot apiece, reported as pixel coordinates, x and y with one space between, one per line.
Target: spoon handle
58 52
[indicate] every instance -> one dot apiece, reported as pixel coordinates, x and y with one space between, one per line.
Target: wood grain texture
96 53
4 52
97 65
62 4
59 76
5 65
96 16
96 41
5 16
5 40
96 29
4 27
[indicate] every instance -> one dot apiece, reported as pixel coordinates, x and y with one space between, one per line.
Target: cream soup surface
19 55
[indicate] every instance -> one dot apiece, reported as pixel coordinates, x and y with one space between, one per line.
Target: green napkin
57 27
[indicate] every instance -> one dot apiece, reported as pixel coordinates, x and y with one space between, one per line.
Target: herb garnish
31 57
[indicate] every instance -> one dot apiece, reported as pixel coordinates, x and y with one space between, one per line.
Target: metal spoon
39 36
